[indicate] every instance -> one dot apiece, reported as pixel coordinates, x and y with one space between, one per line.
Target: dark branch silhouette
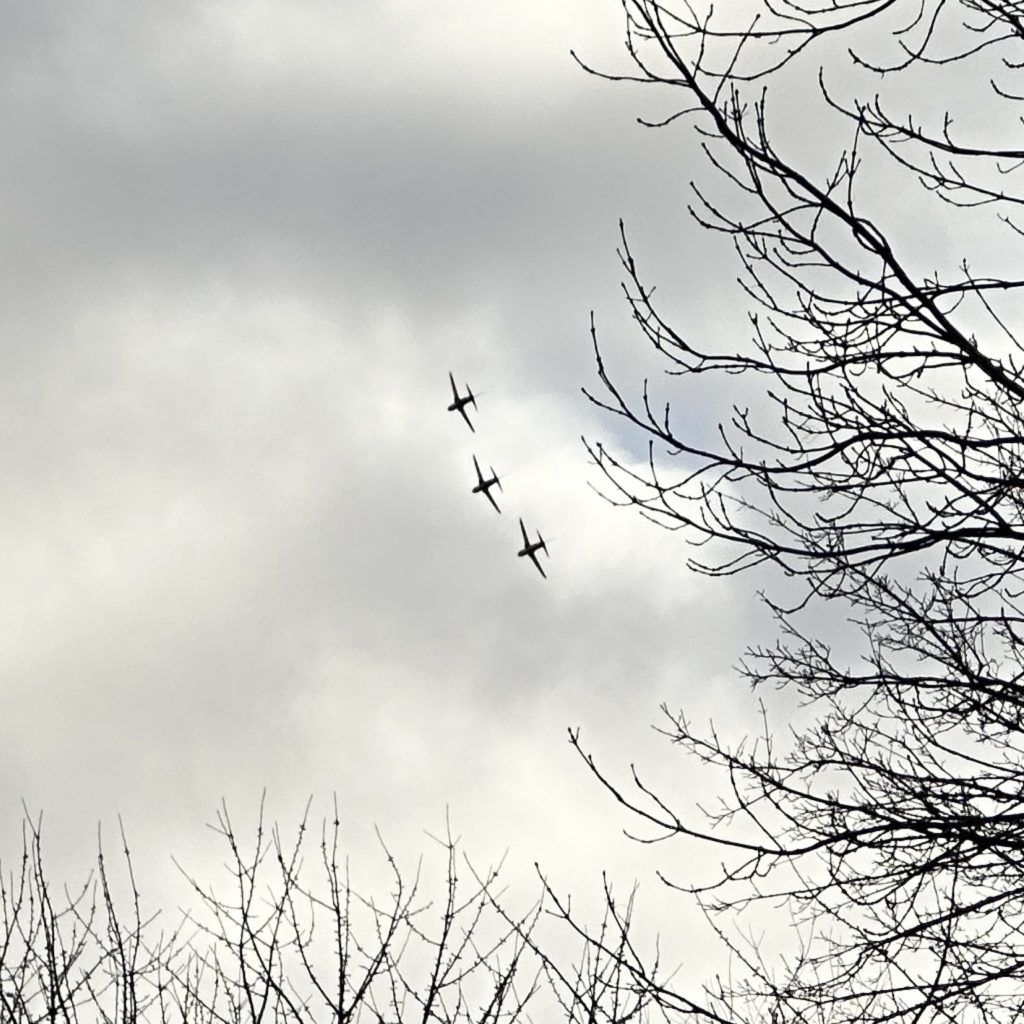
880 466
281 934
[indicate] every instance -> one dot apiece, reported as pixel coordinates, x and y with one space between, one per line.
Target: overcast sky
243 244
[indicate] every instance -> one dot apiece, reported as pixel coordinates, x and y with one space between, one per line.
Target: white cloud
248 242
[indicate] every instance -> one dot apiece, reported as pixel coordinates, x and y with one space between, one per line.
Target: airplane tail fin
497 480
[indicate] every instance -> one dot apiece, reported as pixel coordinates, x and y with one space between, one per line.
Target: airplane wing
479 475
526 540
490 498
533 558
455 390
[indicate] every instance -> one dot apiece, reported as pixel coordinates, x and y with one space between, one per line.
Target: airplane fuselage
459 402
530 551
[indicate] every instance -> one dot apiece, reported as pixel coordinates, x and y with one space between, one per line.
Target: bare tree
69 955
279 945
879 466
282 935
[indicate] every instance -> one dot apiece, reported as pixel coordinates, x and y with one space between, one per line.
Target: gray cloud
243 246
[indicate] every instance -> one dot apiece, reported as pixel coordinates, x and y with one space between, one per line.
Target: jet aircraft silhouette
530 550
484 486
461 401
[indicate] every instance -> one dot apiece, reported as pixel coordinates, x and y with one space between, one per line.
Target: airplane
530 550
484 486
460 403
